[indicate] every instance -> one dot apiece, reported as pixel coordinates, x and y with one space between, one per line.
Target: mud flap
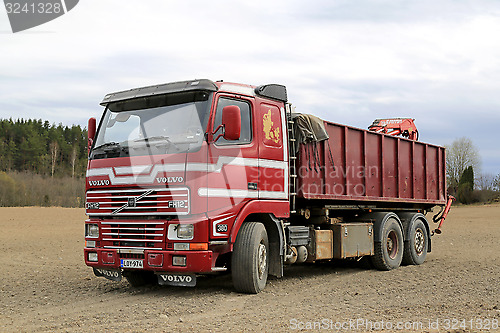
180 280
113 275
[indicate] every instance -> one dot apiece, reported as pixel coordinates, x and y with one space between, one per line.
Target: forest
42 164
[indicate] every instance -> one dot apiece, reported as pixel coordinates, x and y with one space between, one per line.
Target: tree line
40 147
42 164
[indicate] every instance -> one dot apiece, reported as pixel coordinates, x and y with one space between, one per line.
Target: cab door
232 177
273 156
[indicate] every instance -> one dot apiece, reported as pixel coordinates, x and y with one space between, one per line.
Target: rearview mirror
231 120
91 133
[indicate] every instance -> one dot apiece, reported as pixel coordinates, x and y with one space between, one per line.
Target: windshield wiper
165 138
154 138
107 144
109 149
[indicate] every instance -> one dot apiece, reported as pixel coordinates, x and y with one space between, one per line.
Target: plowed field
45 286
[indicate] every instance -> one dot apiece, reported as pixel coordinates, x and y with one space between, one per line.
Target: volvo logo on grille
131 202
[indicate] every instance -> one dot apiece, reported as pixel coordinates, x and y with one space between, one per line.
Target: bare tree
54 152
461 154
485 181
496 183
73 161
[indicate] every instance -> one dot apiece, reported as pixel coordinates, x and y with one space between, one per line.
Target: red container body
371 168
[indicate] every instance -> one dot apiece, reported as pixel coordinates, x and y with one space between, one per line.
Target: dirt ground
45 286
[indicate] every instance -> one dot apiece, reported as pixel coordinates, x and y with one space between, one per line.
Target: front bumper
154 260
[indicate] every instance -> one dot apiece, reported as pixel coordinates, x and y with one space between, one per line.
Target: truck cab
174 170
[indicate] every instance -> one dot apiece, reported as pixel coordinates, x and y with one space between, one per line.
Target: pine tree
466 186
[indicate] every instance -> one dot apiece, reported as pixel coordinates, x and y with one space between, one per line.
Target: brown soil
45 286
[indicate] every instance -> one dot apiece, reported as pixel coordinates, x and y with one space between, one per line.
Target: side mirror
231 120
91 133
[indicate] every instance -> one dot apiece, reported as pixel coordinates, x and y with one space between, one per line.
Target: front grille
131 235
133 202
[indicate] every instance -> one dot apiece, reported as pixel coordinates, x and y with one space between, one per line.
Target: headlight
185 231
91 230
180 231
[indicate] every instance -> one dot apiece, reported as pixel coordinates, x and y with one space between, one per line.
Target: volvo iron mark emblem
131 202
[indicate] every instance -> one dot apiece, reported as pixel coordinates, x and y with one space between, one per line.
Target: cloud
346 61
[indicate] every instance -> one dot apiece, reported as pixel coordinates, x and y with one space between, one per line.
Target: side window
246 121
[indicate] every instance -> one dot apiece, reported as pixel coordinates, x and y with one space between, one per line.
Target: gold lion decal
271 134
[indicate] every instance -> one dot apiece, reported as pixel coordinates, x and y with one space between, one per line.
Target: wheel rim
392 244
262 253
419 241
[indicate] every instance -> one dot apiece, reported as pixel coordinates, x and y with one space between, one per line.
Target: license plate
182 280
131 263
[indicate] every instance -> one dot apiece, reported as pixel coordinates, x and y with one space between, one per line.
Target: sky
349 62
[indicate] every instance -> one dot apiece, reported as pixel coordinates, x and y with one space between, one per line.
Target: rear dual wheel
389 251
415 248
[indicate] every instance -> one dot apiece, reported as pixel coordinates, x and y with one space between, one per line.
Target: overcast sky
346 61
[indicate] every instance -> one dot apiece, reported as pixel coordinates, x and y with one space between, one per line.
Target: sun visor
162 89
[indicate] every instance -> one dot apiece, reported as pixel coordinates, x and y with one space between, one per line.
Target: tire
415 248
389 252
140 278
250 259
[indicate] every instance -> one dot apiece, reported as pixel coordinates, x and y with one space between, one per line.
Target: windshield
164 124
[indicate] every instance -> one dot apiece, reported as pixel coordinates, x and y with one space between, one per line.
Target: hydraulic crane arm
396 126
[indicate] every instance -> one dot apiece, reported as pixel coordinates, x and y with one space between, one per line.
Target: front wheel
389 252
250 259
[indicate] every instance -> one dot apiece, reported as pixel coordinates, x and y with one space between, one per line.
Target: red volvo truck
199 177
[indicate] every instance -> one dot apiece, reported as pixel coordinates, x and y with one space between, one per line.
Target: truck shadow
222 284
